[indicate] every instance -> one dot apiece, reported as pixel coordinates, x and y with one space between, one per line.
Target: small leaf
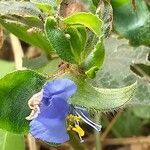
59 41
33 36
101 99
8 141
76 42
88 20
94 60
15 90
82 31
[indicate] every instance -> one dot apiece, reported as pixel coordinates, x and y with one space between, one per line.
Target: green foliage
76 42
45 5
22 20
78 39
101 99
133 25
116 69
88 20
17 8
94 60
15 90
10 141
59 40
35 37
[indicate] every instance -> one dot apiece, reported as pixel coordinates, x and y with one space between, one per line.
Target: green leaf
6 67
119 55
45 5
10 141
89 20
117 3
19 8
82 31
33 36
59 41
101 99
44 8
15 90
94 60
76 42
132 25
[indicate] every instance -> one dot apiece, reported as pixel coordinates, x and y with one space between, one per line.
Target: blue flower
56 115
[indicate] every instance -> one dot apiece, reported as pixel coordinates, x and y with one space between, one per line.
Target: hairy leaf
76 42
31 35
88 20
19 8
59 41
94 60
15 90
101 99
116 69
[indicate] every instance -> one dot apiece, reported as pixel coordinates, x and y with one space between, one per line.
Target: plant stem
97 134
17 50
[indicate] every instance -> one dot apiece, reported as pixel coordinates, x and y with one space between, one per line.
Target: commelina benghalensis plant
53 94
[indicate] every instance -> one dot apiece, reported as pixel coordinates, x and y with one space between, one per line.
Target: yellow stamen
79 130
73 118
76 128
69 127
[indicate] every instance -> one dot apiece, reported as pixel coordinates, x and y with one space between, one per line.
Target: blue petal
50 126
49 130
56 108
62 87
